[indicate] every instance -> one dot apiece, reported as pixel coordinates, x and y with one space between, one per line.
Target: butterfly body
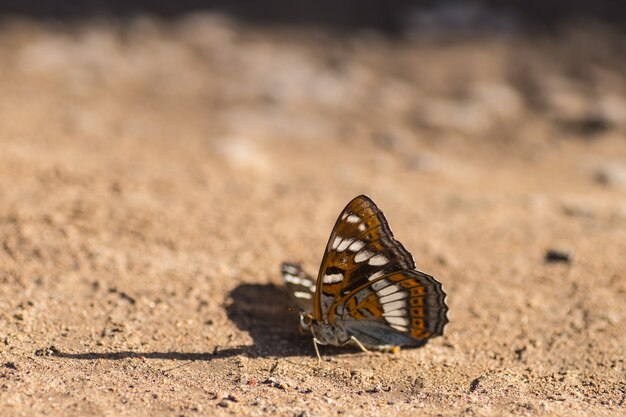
367 290
328 334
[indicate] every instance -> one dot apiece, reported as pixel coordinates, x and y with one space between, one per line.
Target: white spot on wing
400 328
396 305
297 280
291 269
393 297
332 278
397 313
400 321
362 227
378 260
344 245
336 242
388 290
302 294
353 218
363 256
356 246
376 275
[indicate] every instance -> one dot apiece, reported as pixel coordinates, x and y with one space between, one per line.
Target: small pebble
374 390
589 125
611 174
10 365
275 383
47 351
555 255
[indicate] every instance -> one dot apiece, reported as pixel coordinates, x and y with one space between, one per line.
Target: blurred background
412 80
468 72
390 74
375 14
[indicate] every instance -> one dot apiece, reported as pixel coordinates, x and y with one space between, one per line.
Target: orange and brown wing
401 308
361 248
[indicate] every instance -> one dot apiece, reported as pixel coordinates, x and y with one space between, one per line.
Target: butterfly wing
361 248
368 281
401 308
300 285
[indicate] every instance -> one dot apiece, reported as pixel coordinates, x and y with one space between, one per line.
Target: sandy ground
154 175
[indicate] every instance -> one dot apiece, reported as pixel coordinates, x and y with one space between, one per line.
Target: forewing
300 285
361 247
401 308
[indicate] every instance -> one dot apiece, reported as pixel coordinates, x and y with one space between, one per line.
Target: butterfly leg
317 351
359 344
391 349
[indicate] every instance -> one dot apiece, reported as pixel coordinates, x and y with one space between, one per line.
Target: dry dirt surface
154 174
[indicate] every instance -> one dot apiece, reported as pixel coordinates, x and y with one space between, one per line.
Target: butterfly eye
306 319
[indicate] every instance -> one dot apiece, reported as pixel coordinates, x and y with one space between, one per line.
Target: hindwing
407 302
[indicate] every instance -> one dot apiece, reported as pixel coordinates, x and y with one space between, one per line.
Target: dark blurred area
348 14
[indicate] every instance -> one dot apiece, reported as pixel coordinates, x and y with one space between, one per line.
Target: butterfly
367 291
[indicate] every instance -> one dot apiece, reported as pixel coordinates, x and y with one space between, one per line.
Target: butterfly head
306 321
